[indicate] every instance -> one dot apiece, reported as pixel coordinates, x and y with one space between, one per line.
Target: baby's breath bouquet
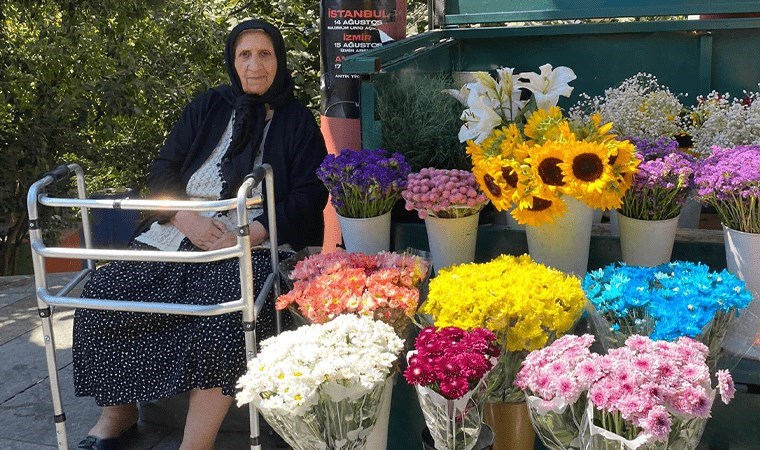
638 107
526 304
527 156
720 120
320 386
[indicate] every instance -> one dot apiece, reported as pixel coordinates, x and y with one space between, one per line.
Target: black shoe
114 443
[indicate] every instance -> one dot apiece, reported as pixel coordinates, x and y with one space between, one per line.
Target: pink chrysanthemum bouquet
647 394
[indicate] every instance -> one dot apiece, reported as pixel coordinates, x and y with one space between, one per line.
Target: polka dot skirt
124 357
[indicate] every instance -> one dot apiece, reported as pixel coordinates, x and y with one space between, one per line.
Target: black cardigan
294 147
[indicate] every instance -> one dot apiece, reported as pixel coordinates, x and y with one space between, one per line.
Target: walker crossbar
242 250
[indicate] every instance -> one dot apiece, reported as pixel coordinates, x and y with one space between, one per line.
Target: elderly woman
122 358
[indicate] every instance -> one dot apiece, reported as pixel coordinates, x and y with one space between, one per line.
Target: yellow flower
502 180
490 147
543 125
545 161
537 210
532 169
588 170
525 303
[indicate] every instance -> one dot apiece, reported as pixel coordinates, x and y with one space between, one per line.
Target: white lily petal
460 94
562 75
548 86
466 133
546 101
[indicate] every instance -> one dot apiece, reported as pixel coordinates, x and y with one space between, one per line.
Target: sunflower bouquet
528 157
526 304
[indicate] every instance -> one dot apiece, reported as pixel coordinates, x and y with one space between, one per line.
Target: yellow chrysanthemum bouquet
526 304
527 156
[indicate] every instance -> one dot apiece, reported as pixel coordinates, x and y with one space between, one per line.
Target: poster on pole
348 27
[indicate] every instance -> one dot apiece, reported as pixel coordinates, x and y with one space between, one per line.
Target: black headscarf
250 114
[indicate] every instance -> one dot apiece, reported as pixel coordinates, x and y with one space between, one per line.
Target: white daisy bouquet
320 386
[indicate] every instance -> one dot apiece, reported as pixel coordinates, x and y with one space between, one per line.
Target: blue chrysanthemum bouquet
664 302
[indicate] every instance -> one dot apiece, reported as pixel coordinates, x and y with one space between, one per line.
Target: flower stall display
450 201
448 369
384 286
729 180
526 304
651 395
555 380
717 119
364 185
649 215
320 386
547 170
666 302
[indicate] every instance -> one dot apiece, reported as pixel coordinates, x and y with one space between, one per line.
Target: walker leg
59 417
249 330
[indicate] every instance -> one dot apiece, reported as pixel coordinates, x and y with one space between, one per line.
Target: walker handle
60 173
258 173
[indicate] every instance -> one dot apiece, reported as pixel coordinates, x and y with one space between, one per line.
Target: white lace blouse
205 184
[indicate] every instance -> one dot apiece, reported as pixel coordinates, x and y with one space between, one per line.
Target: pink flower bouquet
647 394
448 370
555 381
443 193
384 286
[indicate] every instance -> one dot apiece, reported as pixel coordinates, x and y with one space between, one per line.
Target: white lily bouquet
493 103
320 386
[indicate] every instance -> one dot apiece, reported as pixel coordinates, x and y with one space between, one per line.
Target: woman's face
255 61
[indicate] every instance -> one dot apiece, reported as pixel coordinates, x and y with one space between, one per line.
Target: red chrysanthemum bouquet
448 369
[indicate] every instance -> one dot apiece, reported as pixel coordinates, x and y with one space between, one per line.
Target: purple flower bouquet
364 183
729 180
662 182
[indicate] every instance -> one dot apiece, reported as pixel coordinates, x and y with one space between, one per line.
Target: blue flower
665 302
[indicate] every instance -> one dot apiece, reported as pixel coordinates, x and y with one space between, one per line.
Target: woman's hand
257 232
203 232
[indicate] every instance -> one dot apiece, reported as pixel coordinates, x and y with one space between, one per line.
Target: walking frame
250 309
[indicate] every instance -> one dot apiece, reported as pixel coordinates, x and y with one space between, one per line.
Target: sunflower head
537 210
545 163
498 180
588 173
543 125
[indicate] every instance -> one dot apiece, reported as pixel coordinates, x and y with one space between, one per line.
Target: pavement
26 409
